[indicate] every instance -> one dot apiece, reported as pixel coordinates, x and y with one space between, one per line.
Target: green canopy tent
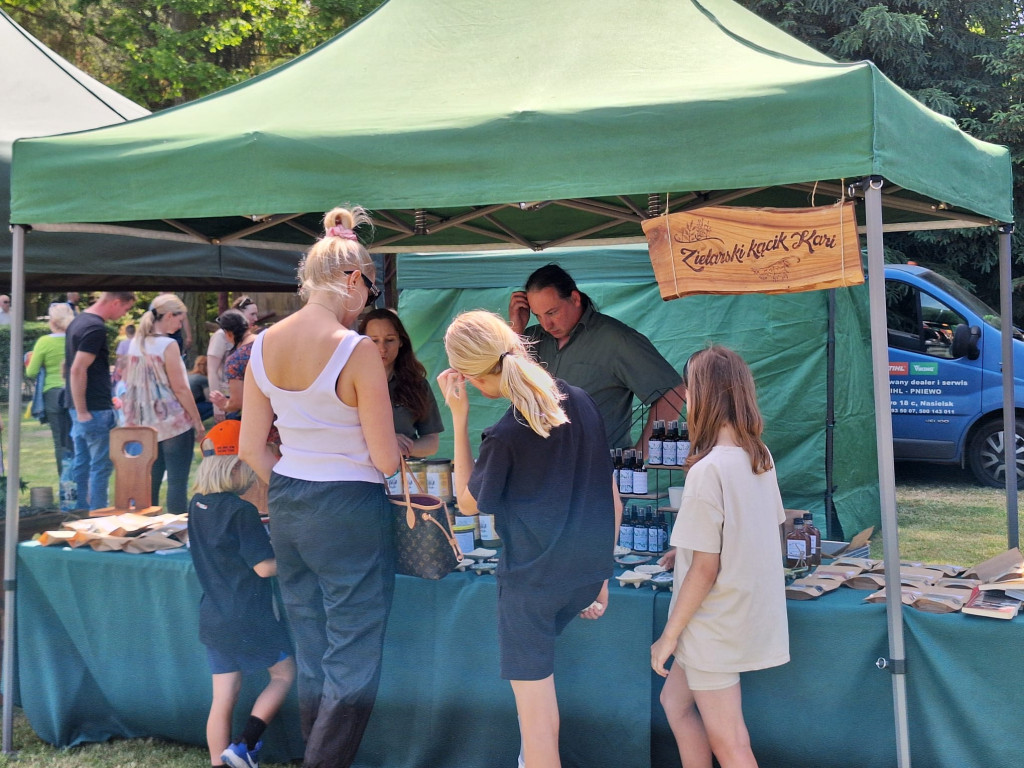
472 124
43 94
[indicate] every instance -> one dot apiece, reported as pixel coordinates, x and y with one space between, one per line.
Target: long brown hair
411 388
721 391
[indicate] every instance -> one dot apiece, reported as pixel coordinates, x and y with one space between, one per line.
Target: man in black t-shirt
87 362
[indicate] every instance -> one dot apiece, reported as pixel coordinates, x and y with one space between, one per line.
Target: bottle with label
668 447
663 533
683 446
626 531
815 536
626 473
640 477
654 444
653 540
798 545
641 537
616 463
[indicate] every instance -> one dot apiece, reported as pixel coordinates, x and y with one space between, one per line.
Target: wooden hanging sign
725 250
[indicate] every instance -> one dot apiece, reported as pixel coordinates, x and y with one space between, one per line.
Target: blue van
945 372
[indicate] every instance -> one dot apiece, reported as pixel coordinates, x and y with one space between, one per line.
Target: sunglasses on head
373 290
246 303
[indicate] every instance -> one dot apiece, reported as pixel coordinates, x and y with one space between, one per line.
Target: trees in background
962 59
169 52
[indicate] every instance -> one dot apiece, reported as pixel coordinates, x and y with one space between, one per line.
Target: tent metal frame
403 230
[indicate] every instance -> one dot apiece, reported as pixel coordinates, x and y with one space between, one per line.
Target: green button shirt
612 363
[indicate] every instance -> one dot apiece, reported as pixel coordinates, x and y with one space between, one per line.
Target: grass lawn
39 467
944 517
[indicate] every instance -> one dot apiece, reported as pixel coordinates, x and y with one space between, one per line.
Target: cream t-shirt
727 509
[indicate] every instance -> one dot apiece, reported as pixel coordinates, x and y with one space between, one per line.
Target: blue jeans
336 566
92 465
175 456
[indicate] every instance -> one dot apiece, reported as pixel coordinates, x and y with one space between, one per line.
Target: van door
934 397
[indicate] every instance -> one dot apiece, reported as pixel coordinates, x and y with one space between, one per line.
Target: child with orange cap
234 562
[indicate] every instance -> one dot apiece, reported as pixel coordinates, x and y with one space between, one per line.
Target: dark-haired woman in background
417 418
239 333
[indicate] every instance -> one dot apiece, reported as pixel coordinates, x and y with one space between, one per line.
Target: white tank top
321 437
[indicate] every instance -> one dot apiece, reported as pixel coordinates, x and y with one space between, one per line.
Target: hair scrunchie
339 230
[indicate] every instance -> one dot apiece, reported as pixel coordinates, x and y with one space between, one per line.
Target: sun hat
222 439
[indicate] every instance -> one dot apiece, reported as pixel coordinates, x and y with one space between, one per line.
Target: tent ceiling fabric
467 124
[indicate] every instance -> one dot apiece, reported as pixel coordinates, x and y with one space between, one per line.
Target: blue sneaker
238 756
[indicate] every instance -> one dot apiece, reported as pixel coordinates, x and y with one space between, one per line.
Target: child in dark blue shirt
545 475
234 560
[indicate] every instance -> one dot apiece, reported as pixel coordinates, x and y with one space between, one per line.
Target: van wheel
985 454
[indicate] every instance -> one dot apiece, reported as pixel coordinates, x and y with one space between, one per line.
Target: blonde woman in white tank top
329 520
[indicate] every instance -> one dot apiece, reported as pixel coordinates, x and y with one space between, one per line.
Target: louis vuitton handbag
423 538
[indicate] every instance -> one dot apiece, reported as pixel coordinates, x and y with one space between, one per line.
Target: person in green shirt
595 352
48 355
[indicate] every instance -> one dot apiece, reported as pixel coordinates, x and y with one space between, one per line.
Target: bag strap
410 516
427 517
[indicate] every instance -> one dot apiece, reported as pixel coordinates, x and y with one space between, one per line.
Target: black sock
254 729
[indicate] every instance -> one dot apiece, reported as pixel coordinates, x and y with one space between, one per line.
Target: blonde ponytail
160 306
324 265
480 343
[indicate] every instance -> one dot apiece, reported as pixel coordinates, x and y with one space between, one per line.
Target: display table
107 647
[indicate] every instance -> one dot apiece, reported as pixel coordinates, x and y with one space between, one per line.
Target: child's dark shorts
221 662
529 620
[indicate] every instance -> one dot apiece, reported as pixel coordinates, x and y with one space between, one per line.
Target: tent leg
833 528
896 663
13 475
1009 411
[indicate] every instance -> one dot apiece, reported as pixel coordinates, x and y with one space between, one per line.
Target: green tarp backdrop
782 337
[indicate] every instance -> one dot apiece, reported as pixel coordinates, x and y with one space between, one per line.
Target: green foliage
962 59
171 51
33 330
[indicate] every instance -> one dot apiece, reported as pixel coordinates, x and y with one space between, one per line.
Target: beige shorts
700 680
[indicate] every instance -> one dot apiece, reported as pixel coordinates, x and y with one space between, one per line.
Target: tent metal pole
833 528
13 475
896 663
1009 412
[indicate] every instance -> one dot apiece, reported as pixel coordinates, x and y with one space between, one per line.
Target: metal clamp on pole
872 182
894 666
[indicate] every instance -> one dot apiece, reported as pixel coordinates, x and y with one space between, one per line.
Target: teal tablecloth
107 647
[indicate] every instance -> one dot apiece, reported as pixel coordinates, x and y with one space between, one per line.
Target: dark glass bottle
683 446
798 545
815 536
626 531
669 446
626 472
655 443
641 531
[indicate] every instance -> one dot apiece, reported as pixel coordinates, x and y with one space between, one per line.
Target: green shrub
33 330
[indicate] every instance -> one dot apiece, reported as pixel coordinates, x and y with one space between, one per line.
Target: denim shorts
221 663
529 620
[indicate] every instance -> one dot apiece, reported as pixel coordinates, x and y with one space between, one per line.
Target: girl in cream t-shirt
728 612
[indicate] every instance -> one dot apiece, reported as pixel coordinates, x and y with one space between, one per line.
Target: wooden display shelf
668 467
649 496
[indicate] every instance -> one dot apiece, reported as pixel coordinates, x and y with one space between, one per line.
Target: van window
939 322
918 321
